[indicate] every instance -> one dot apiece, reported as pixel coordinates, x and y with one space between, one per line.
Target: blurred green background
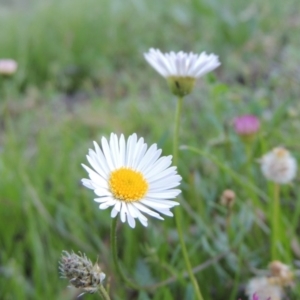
81 76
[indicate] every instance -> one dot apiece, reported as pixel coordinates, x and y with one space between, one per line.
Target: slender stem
177 209
237 274
228 217
275 221
103 293
176 130
113 238
248 146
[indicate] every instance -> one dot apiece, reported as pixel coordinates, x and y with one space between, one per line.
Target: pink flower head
255 297
8 66
246 125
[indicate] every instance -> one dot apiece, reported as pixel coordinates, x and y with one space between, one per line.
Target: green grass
81 76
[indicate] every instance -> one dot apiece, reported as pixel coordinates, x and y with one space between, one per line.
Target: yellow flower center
128 185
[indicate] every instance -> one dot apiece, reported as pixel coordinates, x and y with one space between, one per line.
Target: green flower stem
103 293
177 209
176 130
275 222
113 238
228 221
248 146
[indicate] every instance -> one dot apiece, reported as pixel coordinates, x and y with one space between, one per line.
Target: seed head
279 165
80 271
228 198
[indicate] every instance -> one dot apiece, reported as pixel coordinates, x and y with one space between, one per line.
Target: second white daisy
132 179
181 69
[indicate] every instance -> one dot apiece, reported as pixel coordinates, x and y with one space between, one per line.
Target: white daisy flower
181 64
181 69
279 165
132 179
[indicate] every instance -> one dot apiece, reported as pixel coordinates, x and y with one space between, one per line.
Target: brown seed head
228 198
80 271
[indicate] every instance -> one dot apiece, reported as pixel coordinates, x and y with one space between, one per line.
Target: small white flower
263 289
181 64
132 179
181 69
8 66
279 166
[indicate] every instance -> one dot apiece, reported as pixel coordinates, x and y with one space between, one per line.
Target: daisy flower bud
181 69
80 272
8 67
228 198
279 165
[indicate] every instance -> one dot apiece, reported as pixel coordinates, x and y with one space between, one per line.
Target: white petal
160 165
164 194
142 219
165 212
163 185
139 153
148 211
116 209
161 174
123 212
103 199
159 204
114 149
114 213
95 178
130 217
135 212
89 170
107 204
101 160
107 153
150 158
87 183
169 203
158 66
94 163
131 143
102 192
122 152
